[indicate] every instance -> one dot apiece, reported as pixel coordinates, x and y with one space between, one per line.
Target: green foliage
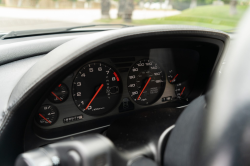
185 4
226 1
216 17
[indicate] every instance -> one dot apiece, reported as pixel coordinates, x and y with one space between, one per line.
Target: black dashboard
116 83
125 84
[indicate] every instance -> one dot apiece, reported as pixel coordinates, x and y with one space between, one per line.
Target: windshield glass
18 15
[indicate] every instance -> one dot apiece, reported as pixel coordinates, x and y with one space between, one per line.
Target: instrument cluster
114 85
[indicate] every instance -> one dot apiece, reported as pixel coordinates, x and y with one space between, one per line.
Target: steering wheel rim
220 129
228 111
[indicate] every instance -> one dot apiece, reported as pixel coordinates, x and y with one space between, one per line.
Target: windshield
19 15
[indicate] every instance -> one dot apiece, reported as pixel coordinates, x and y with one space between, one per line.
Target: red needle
56 96
94 96
44 118
182 91
174 78
144 88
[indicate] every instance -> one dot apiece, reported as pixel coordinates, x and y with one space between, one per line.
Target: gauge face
59 94
47 115
97 89
146 82
182 90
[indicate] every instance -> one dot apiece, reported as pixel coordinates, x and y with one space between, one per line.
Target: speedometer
97 89
146 82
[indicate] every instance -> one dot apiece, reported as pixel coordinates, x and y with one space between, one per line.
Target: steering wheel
214 129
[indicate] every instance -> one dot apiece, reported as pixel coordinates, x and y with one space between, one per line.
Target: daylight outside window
18 15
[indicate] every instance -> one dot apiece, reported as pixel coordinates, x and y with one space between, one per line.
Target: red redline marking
144 88
44 118
182 91
174 78
116 76
59 85
56 96
94 96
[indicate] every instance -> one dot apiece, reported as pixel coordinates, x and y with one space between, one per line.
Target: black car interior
135 96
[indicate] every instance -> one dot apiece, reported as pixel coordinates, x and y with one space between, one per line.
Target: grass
216 17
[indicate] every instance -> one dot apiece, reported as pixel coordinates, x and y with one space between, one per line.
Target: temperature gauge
47 115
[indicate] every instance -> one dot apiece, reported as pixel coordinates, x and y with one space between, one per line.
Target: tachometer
97 89
146 82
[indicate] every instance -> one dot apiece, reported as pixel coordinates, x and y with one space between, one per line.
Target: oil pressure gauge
182 90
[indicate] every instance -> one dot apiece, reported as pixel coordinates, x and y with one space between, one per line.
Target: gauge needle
174 78
44 118
56 96
144 88
182 91
94 96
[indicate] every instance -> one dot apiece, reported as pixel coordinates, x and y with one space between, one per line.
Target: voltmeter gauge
47 115
182 90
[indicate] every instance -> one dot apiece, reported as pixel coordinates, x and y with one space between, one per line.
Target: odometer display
146 82
97 89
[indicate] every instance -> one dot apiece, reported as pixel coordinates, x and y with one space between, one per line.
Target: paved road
17 24
22 19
